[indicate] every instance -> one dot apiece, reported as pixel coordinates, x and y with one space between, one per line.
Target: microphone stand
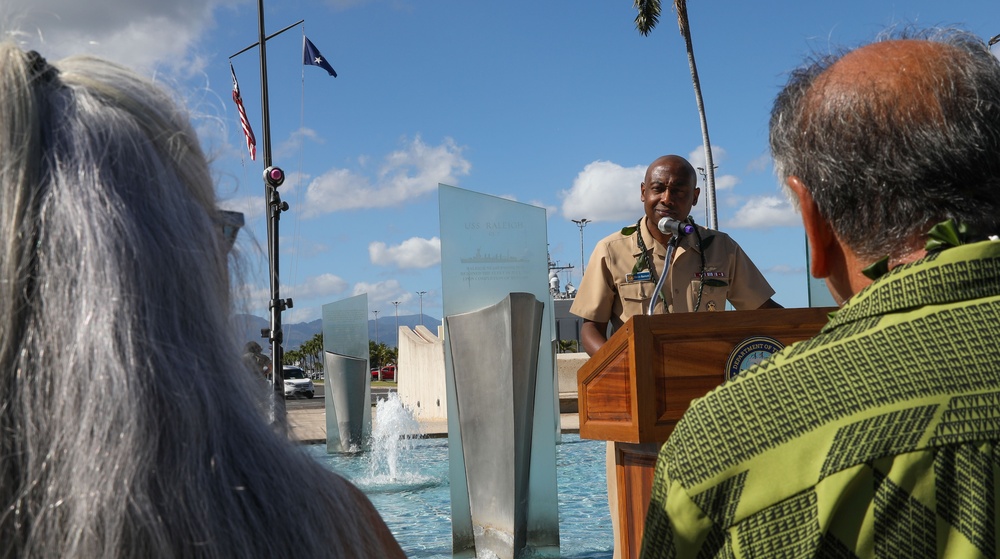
671 247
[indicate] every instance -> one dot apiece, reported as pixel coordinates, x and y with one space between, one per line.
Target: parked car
297 384
388 372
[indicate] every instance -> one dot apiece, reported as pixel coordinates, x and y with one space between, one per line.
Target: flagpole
268 38
273 177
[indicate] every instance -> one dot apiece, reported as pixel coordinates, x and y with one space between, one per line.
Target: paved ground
308 426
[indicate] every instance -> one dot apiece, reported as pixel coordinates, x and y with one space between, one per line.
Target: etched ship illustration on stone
480 258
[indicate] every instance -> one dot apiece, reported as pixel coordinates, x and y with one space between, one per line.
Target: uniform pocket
635 296
713 297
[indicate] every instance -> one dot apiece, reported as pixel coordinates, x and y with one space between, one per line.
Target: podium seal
749 352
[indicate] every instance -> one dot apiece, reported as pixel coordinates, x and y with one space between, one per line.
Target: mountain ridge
297 333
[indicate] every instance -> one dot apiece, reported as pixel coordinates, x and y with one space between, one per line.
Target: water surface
411 493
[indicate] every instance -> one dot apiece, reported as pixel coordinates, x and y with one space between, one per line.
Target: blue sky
558 104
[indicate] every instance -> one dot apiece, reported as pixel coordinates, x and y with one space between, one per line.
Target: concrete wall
420 373
567 365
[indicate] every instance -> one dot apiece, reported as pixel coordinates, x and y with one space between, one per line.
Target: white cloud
324 286
305 314
329 287
411 172
293 181
142 34
697 156
381 294
760 164
254 297
294 142
726 182
550 210
719 155
604 191
321 286
253 206
411 253
785 269
764 212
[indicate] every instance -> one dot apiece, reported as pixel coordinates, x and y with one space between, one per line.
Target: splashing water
394 429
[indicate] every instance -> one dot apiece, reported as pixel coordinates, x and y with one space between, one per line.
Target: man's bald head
669 189
679 166
895 81
893 137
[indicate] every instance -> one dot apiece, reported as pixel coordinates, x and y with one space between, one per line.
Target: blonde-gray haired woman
128 427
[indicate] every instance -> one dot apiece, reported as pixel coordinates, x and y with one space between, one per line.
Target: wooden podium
636 387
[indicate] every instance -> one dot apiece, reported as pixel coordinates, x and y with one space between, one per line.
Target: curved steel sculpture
495 356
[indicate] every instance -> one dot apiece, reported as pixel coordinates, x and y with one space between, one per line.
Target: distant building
567 325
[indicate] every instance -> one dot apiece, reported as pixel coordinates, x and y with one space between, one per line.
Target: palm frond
648 15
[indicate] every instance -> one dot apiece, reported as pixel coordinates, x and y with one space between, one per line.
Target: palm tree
567 346
311 349
374 356
291 357
645 21
380 354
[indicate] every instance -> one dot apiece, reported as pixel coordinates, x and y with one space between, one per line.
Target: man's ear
821 238
642 191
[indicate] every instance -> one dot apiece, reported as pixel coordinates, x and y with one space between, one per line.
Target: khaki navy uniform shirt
610 292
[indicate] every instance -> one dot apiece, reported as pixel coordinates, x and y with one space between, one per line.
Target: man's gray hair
128 426
881 180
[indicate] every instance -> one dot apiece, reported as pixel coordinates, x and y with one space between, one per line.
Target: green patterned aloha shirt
877 438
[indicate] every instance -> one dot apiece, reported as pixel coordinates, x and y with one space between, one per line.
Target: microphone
673 227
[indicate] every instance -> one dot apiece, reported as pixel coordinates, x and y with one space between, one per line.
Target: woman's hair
128 426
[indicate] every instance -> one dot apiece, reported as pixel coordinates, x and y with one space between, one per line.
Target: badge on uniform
639 276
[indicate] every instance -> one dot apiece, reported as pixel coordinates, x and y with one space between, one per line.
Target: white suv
297 383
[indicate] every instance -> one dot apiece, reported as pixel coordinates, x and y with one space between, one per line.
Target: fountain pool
413 497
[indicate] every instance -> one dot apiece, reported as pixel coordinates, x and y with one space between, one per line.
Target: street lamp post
377 364
581 223
704 179
396 361
421 295
396 304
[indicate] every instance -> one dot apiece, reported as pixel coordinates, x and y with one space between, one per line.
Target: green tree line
310 354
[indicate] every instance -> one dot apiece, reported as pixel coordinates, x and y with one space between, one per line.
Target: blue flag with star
312 56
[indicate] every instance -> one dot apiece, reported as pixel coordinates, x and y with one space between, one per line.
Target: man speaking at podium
879 436
708 269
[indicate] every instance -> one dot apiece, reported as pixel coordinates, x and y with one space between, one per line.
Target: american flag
247 131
